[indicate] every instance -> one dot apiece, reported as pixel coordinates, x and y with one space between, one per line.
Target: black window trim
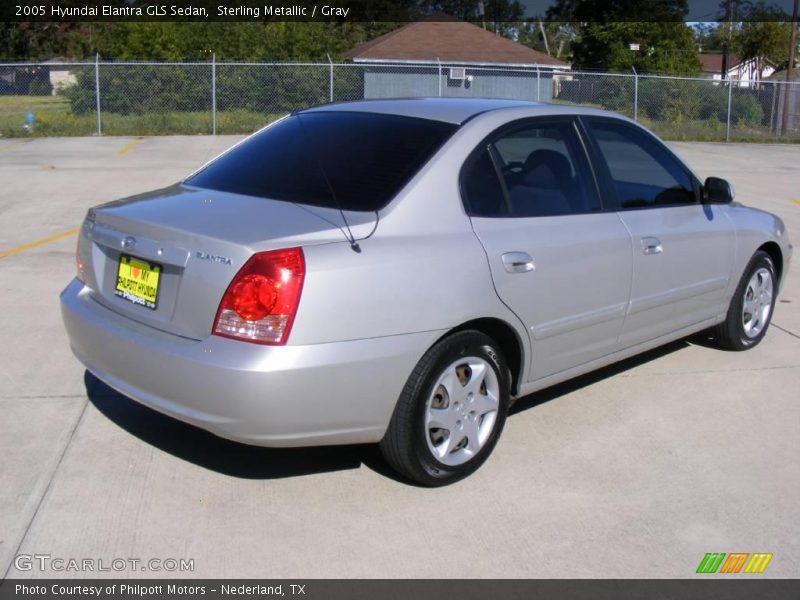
494 155
600 166
487 143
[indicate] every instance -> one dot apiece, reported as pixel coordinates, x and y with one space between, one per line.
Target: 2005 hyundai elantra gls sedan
399 271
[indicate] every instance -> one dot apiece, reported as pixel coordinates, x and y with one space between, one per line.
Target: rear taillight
261 301
81 271
86 228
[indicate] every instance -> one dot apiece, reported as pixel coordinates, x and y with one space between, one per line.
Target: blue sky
699 10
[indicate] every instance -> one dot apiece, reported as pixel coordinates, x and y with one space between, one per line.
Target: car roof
449 110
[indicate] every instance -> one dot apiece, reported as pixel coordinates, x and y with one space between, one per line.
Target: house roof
781 75
712 61
450 41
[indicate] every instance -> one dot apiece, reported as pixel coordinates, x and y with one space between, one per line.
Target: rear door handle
518 262
651 245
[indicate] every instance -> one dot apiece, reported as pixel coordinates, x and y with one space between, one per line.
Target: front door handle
518 262
651 245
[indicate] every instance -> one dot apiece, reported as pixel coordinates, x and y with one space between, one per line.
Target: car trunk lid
194 241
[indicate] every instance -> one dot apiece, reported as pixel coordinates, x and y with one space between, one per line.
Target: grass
21 105
14 109
712 130
562 102
53 117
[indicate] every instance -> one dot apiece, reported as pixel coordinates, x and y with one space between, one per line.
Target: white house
751 70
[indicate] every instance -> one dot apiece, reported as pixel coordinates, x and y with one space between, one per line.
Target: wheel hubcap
757 303
461 413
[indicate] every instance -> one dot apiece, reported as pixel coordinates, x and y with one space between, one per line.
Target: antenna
349 235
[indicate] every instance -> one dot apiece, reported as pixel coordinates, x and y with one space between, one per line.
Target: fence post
635 94
772 127
440 75
330 78
538 84
97 92
214 94
728 126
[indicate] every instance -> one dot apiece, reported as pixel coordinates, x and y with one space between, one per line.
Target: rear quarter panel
397 284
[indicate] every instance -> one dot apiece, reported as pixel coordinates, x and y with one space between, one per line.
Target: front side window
644 174
362 158
530 171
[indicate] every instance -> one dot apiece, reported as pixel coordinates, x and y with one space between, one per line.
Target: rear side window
533 170
644 173
367 158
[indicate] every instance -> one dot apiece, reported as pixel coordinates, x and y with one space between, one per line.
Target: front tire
751 307
451 411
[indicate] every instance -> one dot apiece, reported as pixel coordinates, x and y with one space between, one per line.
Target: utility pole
727 39
788 93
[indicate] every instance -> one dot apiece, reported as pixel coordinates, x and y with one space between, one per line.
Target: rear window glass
367 158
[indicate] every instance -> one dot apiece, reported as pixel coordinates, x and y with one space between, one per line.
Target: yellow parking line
130 146
46 240
13 144
795 200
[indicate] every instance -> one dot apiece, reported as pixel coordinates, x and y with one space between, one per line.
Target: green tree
762 35
664 47
33 40
606 30
709 37
758 32
174 40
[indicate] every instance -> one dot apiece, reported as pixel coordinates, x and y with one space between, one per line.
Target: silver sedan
400 271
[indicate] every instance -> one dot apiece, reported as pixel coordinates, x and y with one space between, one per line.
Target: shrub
151 89
681 107
142 89
616 94
715 103
746 109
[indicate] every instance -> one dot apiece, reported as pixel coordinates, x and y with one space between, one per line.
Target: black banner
504 11
381 589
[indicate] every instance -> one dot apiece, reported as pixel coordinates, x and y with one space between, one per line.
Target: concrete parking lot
635 471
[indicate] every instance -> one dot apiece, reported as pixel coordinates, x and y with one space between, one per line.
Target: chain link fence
169 98
691 109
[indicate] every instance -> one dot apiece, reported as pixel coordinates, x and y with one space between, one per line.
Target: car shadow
206 450
562 389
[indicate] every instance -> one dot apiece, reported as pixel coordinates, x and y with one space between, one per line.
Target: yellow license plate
137 281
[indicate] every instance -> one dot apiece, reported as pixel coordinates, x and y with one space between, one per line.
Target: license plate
137 281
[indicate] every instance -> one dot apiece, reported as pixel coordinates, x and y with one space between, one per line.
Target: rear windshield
367 158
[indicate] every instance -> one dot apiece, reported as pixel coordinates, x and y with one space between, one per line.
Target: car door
557 260
683 249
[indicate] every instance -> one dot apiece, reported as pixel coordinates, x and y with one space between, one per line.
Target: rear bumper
336 393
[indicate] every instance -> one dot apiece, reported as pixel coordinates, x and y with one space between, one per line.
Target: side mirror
717 191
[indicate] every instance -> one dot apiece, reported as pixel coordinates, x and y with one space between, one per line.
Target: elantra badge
213 258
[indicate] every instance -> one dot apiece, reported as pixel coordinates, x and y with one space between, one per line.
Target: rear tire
751 307
451 411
